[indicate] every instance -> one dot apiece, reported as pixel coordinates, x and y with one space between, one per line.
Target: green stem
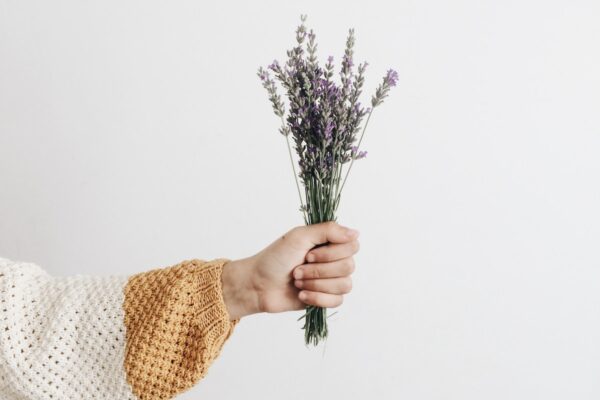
352 161
330 199
287 139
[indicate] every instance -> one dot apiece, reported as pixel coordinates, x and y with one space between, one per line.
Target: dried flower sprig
323 119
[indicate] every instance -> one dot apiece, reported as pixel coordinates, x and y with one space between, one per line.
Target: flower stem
287 139
352 161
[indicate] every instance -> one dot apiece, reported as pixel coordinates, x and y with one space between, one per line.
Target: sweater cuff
177 323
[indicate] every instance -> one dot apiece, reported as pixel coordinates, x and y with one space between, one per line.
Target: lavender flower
274 66
391 78
389 81
323 119
356 154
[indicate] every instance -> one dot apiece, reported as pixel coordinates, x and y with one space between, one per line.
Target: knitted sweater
148 336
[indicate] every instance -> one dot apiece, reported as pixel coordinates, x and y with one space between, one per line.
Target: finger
326 232
318 299
336 269
331 286
333 252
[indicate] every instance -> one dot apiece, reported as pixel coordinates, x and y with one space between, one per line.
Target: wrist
239 293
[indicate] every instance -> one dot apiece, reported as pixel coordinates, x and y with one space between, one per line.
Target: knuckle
318 252
316 272
327 256
326 227
355 246
329 224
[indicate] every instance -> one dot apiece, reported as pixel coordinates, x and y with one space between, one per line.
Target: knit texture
176 326
149 336
60 338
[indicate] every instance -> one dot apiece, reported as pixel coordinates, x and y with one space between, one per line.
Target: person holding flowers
153 335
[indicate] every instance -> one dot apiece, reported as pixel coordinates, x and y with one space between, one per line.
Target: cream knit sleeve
148 336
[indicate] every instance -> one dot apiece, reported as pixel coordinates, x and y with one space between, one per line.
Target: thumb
325 232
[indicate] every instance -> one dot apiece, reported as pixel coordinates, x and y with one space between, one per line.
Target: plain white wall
135 134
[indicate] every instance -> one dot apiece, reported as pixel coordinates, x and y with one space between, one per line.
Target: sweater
148 336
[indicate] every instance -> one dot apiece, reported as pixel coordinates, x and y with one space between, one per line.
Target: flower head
389 80
348 62
391 77
263 75
274 66
323 115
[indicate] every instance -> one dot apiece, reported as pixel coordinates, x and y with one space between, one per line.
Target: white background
135 134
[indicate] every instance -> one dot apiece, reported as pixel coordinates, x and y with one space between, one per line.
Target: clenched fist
309 265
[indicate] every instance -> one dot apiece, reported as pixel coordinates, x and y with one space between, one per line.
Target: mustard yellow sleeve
176 324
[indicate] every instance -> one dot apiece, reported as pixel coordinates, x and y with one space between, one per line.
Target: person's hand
291 273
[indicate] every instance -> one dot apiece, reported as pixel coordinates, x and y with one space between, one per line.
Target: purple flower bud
274 65
263 75
391 78
330 59
348 61
328 130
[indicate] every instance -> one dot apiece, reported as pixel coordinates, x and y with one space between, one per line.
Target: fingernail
352 233
299 284
310 257
298 273
302 296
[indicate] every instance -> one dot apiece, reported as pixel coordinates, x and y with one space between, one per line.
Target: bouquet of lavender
323 119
